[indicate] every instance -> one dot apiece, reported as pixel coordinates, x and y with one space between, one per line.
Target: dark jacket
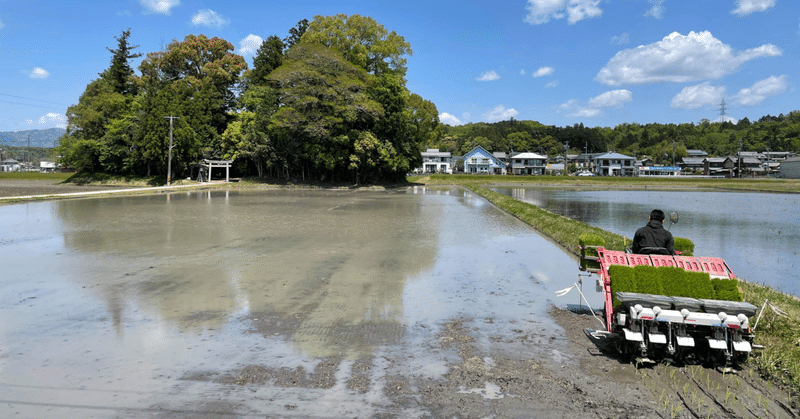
653 239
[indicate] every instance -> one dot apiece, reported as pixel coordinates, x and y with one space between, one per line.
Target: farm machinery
683 308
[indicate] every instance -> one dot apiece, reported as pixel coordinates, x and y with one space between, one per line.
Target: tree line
657 141
328 102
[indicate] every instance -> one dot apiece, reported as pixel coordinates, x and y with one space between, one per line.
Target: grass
34 176
612 182
779 361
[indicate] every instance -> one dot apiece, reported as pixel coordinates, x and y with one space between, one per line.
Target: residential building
528 164
692 164
435 161
696 153
613 164
718 166
478 160
790 168
10 165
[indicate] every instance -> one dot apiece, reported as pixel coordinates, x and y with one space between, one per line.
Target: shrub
684 246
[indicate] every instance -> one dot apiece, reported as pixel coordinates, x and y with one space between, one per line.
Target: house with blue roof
478 160
614 164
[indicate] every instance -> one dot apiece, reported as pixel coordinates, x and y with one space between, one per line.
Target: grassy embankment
779 361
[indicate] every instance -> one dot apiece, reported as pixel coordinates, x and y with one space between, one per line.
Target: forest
657 141
328 102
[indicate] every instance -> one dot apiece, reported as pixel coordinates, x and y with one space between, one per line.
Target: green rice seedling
589 243
674 282
726 289
622 280
684 246
648 279
699 285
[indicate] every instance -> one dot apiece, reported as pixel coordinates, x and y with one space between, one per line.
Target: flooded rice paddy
756 233
292 303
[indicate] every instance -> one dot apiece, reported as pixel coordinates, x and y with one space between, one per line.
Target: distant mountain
45 138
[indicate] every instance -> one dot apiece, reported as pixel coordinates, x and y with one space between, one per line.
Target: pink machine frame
716 267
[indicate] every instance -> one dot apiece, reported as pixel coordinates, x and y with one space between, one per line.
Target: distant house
528 164
696 153
478 160
47 166
614 164
790 168
691 164
718 166
435 161
10 165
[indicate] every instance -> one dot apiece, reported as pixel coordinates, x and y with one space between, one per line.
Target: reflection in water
756 233
327 262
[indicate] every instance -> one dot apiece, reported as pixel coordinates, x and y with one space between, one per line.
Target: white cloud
611 99
621 40
522 72
161 7
678 58
210 18
745 7
575 110
543 71
541 11
500 113
59 119
449 119
586 113
488 76
36 73
249 45
553 83
656 9
693 97
761 90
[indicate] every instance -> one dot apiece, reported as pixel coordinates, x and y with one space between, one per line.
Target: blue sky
559 62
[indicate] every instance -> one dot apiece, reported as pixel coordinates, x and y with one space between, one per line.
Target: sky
558 62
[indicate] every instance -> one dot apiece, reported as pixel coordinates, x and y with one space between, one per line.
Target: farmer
653 239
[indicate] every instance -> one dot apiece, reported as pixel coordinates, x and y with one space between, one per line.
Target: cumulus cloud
543 71
210 18
36 73
621 40
249 45
745 7
541 11
161 7
522 72
761 90
449 119
693 97
488 76
553 83
500 113
611 99
575 110
52 117
656 9
678 58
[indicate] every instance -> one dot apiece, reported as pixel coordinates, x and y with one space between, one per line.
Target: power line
35 100
29 104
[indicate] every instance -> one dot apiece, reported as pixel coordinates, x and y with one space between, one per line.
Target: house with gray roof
613 164
435 161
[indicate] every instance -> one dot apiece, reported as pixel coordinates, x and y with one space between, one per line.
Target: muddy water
297 303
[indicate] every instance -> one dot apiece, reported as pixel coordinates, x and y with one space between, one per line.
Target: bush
684 246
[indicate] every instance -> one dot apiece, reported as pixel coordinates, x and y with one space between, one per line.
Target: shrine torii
218 163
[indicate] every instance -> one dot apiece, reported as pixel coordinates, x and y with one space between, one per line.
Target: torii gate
218 163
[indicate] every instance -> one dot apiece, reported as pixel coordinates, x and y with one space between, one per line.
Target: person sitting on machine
653 239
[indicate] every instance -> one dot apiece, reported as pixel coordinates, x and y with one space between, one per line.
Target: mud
426 302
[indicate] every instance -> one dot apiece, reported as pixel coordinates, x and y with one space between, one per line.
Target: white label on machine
657 338
634 336
716 343
742 346
685 341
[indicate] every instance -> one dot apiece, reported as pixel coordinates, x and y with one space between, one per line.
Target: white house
10 165
614 164
435 161
478 160
528 164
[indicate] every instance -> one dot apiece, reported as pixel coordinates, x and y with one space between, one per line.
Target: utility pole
169 160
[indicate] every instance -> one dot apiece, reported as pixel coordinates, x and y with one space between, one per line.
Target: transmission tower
722 111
